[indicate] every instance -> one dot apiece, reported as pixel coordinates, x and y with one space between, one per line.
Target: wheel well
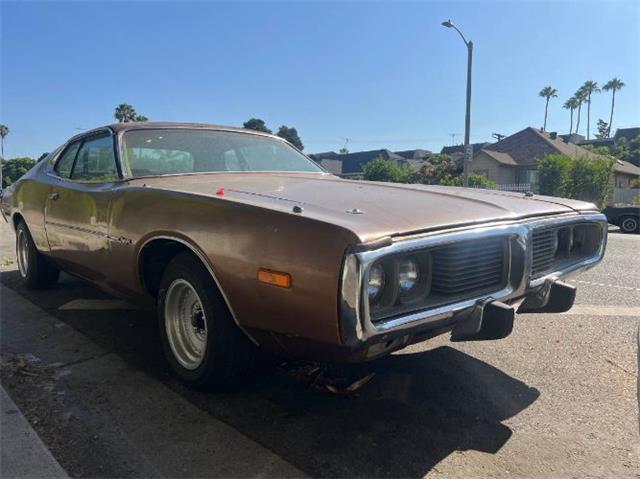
154 259
17 218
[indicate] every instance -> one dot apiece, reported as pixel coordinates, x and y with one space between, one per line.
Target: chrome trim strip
202 258
355 323
97 233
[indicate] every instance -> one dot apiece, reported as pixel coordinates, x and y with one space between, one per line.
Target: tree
291 136
343 151
589 87
629 151
603 129
547 93
571 105
4 131
15 168
612 85
125 113
580 98
256 124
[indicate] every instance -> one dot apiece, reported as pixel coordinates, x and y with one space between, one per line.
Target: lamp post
468 154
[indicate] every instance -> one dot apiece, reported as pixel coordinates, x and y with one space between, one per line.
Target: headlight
375 284
408 273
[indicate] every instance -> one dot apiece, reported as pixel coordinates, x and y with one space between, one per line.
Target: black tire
229 356
36 270
630 224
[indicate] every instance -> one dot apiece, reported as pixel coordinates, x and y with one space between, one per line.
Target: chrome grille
469 267
556 248
545 243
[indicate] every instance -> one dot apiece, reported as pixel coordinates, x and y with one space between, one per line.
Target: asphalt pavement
557 398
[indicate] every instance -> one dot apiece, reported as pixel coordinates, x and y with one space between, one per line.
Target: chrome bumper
357 328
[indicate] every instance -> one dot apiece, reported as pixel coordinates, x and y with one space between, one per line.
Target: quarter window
65 164
96 161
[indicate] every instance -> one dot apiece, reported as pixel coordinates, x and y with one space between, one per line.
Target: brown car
242 241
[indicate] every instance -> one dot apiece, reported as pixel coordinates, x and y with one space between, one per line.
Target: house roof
626 167
628 133
322 155
453 149
525 147
416 154
500 157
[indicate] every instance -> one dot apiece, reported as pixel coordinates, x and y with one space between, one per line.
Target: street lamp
468 154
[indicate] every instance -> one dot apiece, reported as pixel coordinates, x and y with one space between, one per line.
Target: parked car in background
627 217
242 242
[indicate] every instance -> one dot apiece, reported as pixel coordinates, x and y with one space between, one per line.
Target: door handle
54 196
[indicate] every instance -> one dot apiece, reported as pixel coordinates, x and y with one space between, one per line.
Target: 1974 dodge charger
243 241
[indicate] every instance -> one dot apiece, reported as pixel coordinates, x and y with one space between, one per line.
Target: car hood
371 210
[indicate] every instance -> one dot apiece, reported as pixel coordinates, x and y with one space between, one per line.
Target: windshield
175 151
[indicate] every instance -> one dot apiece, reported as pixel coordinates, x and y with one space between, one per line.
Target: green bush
581 178
554 171
381 170
475 181
15 168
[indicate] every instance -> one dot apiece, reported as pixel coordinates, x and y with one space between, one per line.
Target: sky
381 74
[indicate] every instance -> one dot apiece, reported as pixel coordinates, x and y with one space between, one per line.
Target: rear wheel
36 271
202 343
629 225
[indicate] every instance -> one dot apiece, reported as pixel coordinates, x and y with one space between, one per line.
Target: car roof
121 127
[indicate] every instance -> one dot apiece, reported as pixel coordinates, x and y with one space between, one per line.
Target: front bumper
534 294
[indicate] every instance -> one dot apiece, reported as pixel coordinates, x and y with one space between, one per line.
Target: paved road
556 398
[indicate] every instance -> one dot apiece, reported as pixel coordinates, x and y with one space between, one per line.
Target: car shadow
418 409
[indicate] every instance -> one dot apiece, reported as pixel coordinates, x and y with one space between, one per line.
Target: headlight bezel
392 297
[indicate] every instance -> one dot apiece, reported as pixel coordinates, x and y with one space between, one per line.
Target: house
416 154
612 143
456 152
352 164
513 159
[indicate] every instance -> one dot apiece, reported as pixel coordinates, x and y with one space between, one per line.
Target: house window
529 176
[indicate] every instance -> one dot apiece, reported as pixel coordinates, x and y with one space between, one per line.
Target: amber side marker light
279 279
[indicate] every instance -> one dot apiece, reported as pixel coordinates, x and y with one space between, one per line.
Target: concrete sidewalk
22 453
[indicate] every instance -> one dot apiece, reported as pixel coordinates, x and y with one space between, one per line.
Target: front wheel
202 343
36 271
629 225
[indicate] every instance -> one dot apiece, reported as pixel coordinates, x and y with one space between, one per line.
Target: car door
78 205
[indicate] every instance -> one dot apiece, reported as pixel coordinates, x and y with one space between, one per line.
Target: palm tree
589 87
612 85
580 97
571 105
125 113
4 131
547 93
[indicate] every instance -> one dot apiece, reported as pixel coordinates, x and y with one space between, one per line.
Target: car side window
65 163
96 161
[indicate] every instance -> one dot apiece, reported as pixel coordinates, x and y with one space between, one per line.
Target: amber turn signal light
279 279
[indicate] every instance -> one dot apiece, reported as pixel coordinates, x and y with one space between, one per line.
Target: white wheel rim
22 252
185 324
